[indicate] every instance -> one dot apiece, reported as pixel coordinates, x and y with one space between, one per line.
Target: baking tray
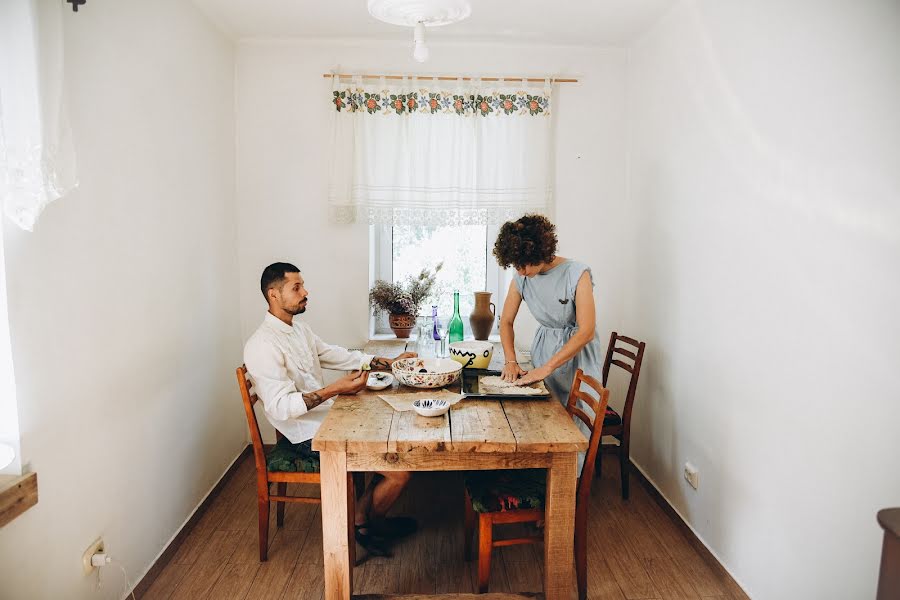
470 387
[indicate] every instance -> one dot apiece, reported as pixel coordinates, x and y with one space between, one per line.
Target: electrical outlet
692 475
94 548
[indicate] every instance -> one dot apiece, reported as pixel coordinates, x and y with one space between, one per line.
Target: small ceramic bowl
379 381
426 372
429 407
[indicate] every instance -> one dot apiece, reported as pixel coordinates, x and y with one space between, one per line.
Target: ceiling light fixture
420 50
420 14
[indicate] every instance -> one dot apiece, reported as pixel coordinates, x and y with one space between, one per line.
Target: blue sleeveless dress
550 297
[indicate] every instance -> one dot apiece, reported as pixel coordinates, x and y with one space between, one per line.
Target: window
468 265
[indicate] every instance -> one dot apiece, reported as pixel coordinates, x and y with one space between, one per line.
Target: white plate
374 384
429 407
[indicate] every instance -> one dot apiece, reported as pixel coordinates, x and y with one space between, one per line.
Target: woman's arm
511 369
585 317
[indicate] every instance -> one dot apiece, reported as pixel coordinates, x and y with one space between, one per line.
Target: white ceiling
566 22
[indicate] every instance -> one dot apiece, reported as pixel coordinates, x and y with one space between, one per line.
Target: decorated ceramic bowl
472 354
426 372
430 407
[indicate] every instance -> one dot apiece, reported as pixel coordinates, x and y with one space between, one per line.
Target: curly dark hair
530 240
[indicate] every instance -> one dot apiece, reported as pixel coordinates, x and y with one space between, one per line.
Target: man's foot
373 543
395 527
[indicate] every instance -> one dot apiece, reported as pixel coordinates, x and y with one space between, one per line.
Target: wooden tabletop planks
543 426
411 432
360 423
480 426
364 424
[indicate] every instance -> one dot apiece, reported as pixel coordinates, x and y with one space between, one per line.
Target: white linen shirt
284 362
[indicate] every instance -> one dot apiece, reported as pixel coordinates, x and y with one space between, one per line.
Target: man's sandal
372 543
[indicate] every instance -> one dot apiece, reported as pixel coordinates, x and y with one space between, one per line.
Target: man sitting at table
285 360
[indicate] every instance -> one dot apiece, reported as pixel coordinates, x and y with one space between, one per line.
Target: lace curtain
423 151
37 163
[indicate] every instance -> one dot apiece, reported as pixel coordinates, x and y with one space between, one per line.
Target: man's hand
534 376
511 372
352 383
380 363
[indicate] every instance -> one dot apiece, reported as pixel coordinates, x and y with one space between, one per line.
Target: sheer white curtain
423 151
37 162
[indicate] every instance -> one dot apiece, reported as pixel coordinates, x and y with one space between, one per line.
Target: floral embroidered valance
423 151
426 102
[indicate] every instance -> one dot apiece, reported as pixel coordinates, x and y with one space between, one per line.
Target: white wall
284 133
765 175
123 303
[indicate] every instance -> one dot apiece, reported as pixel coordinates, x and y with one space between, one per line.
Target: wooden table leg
335 519
559 528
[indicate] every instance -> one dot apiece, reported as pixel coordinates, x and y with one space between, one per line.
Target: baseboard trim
165 556
696 540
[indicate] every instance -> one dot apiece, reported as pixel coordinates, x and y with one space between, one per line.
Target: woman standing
559 293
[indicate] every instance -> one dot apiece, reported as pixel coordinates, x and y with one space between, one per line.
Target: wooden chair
889 575
614 424
487 518
264 477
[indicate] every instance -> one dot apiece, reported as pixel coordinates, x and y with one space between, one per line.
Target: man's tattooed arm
380 364
313 399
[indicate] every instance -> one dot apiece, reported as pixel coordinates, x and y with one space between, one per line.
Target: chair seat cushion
498 491
611 417
294 458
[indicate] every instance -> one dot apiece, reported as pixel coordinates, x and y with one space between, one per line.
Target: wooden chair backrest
636 357
250 399
598 405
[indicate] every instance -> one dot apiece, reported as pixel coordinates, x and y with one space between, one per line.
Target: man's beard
301 308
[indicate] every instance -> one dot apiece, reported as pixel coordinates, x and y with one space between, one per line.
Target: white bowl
379 381
429 407
426 372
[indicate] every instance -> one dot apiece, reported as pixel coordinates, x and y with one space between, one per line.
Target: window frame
381 266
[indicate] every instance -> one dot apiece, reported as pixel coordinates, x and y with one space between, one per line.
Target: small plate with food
379 381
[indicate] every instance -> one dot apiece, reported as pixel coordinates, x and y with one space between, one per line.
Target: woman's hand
511 372
535 375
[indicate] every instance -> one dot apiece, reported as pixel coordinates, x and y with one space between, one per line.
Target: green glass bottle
456 324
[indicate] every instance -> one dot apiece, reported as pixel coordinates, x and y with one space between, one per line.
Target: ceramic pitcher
482 317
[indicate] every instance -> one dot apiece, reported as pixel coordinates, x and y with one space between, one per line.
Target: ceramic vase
402 325
482 317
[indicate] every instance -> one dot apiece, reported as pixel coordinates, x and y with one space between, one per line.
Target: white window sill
387 337
17 494
391 345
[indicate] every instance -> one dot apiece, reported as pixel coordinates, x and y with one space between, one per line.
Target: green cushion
294 458
498 491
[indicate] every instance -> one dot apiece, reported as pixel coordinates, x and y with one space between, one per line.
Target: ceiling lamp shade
420 14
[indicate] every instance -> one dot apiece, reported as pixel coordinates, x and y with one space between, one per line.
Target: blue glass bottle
435 335
440 341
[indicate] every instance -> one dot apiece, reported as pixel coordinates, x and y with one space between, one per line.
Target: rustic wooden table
363 433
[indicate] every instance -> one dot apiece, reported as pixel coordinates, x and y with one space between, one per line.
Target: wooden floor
635 550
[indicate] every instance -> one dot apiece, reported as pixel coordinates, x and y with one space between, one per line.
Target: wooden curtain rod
450 78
